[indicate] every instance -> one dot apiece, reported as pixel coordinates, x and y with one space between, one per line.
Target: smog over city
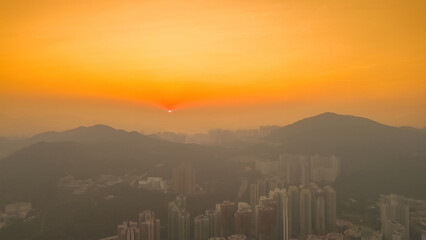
213 120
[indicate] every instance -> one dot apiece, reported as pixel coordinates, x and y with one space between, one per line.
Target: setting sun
292 119
248 56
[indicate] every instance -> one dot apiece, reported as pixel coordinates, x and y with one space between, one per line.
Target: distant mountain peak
93 127
331 118
336 115
333 131
101 126
98 132
329 114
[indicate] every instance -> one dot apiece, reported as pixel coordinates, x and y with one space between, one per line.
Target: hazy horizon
212 120
198 131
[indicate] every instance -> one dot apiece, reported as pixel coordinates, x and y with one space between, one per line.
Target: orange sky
231 64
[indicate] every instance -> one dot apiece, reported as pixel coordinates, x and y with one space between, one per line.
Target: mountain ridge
331 130
367 149
98 132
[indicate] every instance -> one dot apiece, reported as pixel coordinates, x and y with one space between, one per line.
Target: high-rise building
301 170
128 231
296 169
330 209
280 196
179 220
313 188
262 188
214 222
201 227
394 211
294 211
149 226
270 202
324 169
418 226
220 136
254 195
267 130
318 212
395 231
266 166
183 179
226 211
243 217
305 211
265 217
276 182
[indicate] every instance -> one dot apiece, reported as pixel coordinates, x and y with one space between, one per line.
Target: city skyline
213 120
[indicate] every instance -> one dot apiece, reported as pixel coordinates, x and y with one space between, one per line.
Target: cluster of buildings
299 205
225 137
301 169
219 137
394 216
274 212
306 209
296 212
402 218
228 220
183 179
147 228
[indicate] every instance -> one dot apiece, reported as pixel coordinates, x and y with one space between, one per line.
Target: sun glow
185 55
